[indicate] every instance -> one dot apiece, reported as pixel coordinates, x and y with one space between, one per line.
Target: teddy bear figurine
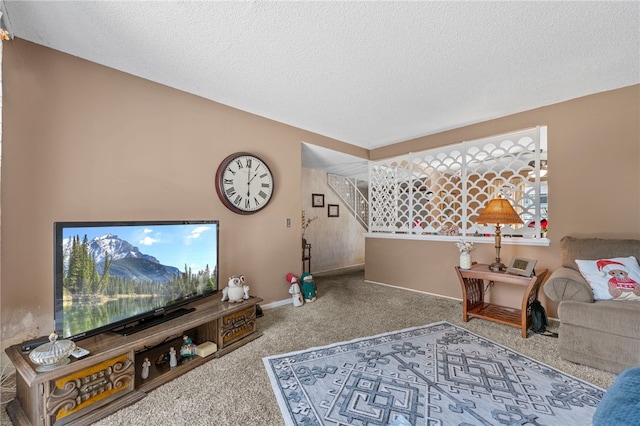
294 289
236 291
308 287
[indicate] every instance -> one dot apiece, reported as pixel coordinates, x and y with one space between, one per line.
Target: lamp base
497 266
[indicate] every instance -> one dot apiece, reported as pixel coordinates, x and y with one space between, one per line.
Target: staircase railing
351 196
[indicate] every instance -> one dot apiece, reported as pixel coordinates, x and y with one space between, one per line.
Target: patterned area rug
438 374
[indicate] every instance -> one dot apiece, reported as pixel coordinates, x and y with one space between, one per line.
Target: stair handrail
348 191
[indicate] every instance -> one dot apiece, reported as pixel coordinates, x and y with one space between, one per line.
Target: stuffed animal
237 291
294 289
308 287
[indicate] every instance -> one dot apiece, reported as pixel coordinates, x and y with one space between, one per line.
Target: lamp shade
499 211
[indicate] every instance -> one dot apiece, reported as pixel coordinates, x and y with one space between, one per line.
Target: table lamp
498 212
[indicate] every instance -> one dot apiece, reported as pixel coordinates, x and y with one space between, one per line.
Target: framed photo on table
521 266
317 200
333 210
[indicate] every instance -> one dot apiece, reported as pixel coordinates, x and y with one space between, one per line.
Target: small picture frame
521 266
333 210
317 200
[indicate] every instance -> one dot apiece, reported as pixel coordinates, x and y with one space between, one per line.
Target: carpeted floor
235 389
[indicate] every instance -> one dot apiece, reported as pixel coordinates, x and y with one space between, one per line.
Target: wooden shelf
473 282
109 378
501 314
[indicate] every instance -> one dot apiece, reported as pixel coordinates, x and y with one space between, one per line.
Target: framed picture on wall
521 266
333 210
317 200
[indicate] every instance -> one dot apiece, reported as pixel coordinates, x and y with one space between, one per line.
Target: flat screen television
126 276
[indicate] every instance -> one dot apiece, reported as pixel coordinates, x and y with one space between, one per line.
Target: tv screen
110 274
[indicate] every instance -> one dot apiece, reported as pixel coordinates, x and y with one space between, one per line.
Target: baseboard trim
277 303
413 290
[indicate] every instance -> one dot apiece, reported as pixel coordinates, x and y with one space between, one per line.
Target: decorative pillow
617 278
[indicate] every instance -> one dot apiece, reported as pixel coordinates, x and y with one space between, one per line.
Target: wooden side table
473 283
306 258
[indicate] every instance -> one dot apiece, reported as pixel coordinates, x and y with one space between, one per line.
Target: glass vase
465 260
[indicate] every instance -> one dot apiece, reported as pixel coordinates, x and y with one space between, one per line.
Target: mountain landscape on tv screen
127 261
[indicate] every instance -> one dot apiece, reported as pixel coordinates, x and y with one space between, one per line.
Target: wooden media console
109 378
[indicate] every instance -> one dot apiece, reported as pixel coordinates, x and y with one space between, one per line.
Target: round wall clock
244 183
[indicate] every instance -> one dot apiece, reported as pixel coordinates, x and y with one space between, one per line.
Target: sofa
620 405
603 334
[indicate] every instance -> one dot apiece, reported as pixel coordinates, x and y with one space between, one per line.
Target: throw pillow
617 278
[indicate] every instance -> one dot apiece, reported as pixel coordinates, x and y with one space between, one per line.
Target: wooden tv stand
109 378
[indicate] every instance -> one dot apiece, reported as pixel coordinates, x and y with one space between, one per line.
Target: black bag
539 319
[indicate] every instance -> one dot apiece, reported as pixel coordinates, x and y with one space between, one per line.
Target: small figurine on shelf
173 361
145 368
237 290
308 287
188 348
294 290
162 358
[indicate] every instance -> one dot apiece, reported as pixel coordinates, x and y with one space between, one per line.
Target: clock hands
250 179
248 183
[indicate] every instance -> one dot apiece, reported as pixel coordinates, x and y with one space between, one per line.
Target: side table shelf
473 282
109 378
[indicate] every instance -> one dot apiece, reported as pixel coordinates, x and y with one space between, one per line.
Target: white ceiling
366 73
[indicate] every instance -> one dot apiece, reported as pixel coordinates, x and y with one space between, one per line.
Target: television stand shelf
109 378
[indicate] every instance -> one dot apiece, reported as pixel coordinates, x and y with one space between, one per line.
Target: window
441 191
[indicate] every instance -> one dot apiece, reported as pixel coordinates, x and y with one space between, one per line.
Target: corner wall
594 191
86 142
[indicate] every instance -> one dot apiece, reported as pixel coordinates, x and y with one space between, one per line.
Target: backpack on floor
539 319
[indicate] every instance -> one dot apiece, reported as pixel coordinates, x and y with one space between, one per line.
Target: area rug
438 374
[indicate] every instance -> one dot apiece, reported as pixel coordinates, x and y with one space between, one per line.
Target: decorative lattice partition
441 191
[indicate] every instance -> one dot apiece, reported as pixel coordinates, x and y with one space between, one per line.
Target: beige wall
85 142
594 190
337 242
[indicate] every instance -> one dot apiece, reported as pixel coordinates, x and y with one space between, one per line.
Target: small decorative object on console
521 266
308 287
53 354
145 368
237 291
188 347
79 352
205 349
173 360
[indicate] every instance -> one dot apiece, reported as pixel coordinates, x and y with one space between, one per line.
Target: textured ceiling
367 73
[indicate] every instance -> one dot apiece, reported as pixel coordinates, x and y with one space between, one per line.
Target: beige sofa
604 334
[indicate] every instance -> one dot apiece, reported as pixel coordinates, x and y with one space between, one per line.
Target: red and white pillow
617 278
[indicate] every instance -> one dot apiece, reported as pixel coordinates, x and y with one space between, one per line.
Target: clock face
244 183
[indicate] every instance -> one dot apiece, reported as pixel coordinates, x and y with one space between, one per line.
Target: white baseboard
277 303
342 270
415 291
